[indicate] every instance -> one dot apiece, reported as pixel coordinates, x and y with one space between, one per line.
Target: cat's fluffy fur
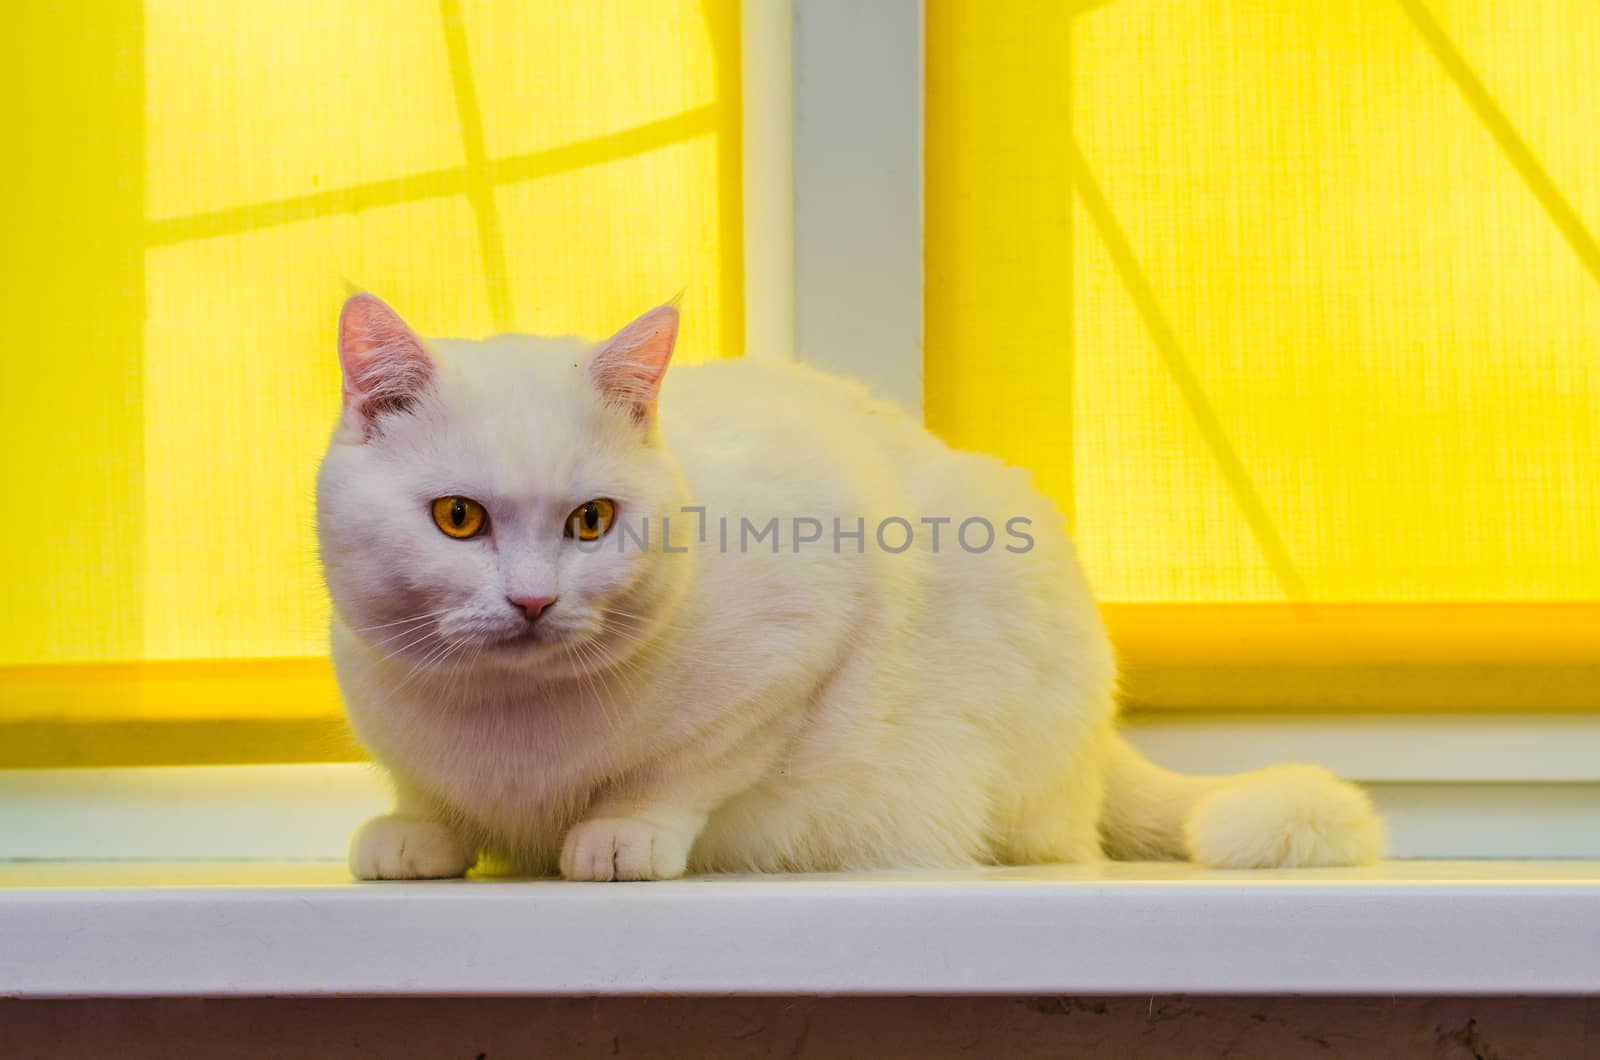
730 708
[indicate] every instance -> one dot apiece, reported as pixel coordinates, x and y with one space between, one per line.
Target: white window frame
833 188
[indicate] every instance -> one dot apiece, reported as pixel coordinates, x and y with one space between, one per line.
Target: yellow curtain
1285 302
195 185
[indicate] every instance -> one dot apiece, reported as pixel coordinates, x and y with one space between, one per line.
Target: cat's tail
1290 816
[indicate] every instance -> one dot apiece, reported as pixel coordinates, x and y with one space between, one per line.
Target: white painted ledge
1450 786
108 929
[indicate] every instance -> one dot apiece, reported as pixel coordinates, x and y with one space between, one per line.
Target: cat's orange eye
460 517
591 519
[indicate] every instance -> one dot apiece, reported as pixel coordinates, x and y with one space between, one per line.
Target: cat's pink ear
627 370
386 367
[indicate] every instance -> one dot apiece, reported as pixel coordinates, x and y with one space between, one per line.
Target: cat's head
472 499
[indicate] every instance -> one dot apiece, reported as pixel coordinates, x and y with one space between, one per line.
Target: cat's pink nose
531 606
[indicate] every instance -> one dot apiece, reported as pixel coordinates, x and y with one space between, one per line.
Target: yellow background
195 186
1348 347
1291 301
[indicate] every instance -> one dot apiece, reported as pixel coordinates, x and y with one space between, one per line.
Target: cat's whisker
600 675
408 631
580 669
418 639
449 665
399 621
427 662
593 670
641 641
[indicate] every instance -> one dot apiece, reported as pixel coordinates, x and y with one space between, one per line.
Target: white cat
763 628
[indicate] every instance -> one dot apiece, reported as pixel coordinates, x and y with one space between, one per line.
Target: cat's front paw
622 848
403 848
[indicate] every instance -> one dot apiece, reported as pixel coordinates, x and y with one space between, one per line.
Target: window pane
603 241
1297 324
249 103
595 69
71 406
199 184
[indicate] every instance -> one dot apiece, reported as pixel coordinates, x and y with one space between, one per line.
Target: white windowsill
224 880
149 929
1481 786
